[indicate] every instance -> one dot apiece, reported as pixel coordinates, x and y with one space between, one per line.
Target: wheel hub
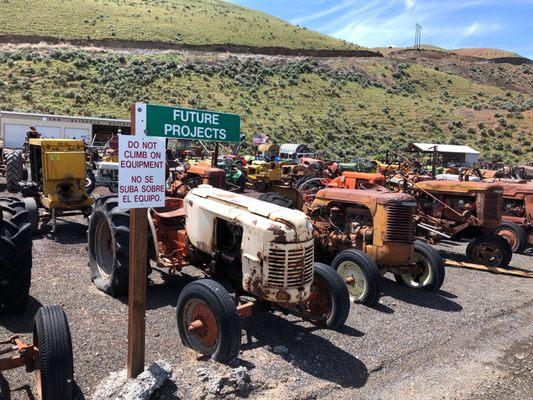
488 254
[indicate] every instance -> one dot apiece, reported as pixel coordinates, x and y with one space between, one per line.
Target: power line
418 35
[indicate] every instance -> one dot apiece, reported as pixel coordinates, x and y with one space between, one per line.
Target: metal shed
14 125
294 151
451 154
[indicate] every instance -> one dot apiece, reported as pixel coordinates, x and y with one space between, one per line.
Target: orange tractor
517 214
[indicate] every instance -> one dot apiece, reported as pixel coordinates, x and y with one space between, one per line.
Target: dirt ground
473 339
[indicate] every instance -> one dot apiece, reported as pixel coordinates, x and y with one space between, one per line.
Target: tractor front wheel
329 302
515 235
429 271
492 251
361 275
55 366
208 321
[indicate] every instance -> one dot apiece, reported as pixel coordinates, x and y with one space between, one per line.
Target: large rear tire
55 368
108 239
430 271
14 170
15 259
514 234
491 250
276 198
208 321
361 275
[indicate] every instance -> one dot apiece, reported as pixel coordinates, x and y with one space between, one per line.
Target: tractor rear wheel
515 235
276 198
361 275
14 170
208 321
329 302
492 250
55 367
430 271
15 259
108 245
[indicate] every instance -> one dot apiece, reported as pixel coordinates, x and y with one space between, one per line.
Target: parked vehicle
56 178
517 214
365 234
260 252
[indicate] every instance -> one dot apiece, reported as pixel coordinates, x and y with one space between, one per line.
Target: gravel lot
473 339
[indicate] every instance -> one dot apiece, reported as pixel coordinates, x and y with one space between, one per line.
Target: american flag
259 139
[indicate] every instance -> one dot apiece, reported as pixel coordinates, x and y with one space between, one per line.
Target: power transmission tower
418 35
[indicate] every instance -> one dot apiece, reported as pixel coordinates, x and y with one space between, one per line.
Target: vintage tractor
260 175
517 214
49 355
260 252
457 210
235 179
56 179
367 233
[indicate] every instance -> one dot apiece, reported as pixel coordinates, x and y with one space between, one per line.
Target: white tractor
251 252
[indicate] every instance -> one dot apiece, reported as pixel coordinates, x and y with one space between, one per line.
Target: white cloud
478 28
409 3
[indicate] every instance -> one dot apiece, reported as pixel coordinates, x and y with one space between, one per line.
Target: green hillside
351 108
191 22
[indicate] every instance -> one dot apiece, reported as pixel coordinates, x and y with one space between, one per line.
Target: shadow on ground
307 351
22 322
439 300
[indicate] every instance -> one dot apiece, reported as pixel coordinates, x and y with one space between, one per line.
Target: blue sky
451 24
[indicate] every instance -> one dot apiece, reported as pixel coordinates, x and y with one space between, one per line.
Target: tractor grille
289 266
400 224
490 207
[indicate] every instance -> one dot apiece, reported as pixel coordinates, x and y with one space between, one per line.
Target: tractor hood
458 188
370 198
279 224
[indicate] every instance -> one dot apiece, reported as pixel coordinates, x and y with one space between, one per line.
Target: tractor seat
173 209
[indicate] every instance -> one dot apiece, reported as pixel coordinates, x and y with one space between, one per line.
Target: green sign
186 123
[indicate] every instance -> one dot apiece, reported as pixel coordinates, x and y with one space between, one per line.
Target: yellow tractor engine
58 172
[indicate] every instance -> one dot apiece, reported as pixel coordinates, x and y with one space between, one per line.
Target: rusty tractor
456 210
517 214
367 233
260 252
49 356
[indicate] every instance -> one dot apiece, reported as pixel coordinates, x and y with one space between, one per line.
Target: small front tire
55 368
208 321
361 275
430 271
492 251
514 234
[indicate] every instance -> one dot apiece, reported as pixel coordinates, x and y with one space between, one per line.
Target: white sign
141 171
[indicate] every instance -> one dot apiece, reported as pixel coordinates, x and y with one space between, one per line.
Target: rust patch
278 233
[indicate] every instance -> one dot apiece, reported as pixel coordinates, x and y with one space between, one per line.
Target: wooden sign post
141 186
137 283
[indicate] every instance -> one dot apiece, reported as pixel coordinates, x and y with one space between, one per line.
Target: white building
14 125
450 154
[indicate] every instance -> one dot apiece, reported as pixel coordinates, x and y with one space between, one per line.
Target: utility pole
418 35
